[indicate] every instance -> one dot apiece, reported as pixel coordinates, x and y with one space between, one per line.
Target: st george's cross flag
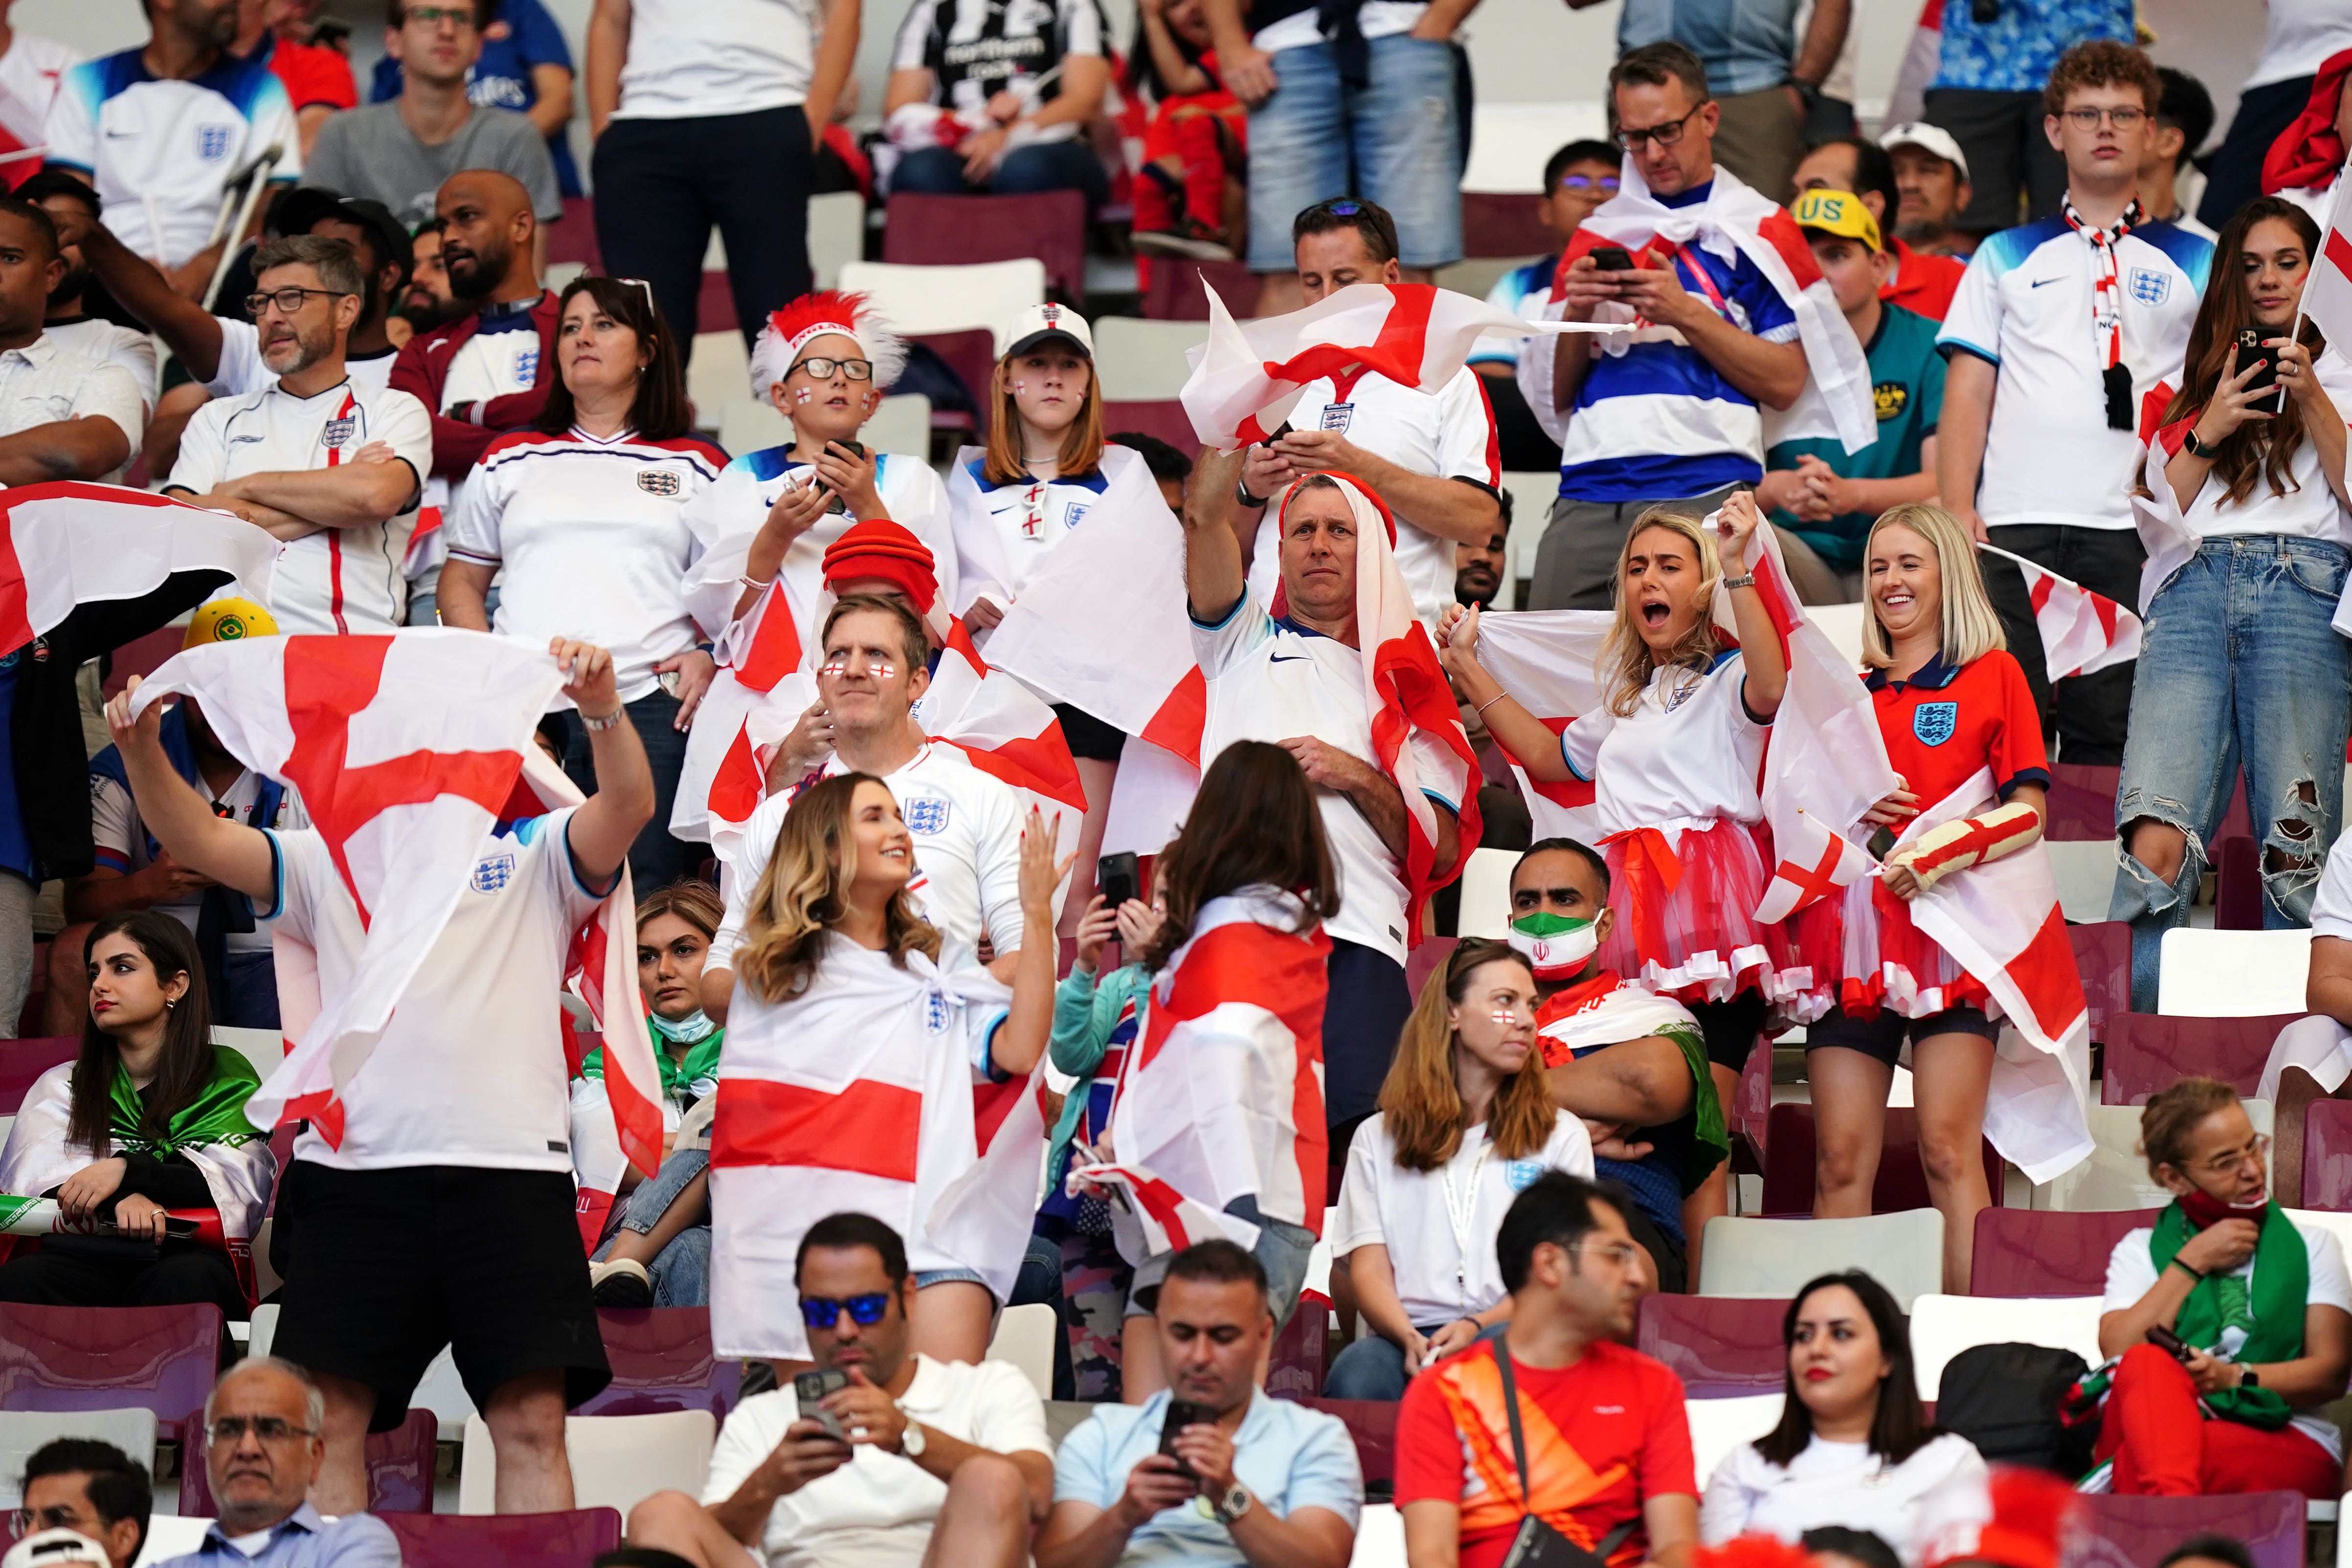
1809 863
407 749
2082 632
69 544
2327 295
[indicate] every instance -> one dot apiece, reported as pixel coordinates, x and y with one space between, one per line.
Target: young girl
1188 199
149 1117
853 1057
1465 1123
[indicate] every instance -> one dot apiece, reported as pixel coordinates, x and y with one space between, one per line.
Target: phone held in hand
2171 1343
1180 1415
811 1389
1611 258
1118 878
2253 350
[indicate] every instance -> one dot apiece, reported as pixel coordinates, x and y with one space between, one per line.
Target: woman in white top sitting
1465 1123
1854 1446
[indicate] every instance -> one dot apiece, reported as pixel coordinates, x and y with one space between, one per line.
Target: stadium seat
1532 495
2140 1531
1719 1425
575 238
1504 223
1510 140
2081 803
2336 1222
2237 884
751 424
265 1048
2103 959
2085 870
1144 361
1295 1369
1771 1257
23 1431
1179 290
1024 1336
926 300
1372 1423
399 1470
970 354
714 304
1431 955
836 235
24 1060
2148 1051
662 1360
1841 623
2038 1252
919 230
1943 1326
506 1540
169 1535
1379 1538
618 1461
901 425
1162 417
1487 894
141 656
2232 974
2116 1176
1720 1347
443 1392
1789 1149
108 1358
2328 1155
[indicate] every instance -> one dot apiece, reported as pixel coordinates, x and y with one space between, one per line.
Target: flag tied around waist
69 544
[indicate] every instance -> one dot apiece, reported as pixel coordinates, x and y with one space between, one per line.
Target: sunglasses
824 1312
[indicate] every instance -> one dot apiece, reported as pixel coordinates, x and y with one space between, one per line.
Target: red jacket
424 367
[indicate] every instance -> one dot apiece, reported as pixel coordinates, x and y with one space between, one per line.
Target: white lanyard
1460 1214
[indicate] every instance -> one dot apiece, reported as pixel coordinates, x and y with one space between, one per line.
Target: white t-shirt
1378 18
1270 680
1833 1483
1449 433
692 59
30 73
1439 1226
2131 1274
337 580
590 534
471 1069
2301 35
2331 906
876 1512
1684 757
109 344
966 825
2024 305
2308 510
240 370
1018 522
119 836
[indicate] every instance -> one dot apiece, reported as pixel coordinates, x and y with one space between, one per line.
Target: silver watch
1745 580
1235 1503
911 1441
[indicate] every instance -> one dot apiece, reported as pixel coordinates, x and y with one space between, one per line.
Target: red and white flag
407 748
1249 374
2082 632
2327 293
1812 863
69 544
1165 1220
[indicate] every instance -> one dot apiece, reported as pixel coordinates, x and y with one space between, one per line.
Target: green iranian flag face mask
1556 947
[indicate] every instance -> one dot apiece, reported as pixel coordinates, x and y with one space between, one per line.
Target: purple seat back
662 1361
2147 1052
2328 1155
1719 1346
1372 1423
1426 960
2103 959
2081 801
109 1358
1179 289
399 1469
506 1540
22 1061
923 230
1295 1369
1164 418
1504 224
2043 1252
2137 1531
1902 1181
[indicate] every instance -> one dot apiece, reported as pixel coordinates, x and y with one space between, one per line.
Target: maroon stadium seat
2138 1531
662 1360
2146 1052
1165 419
1295 1370
141 656
1499 223
714 306
23 1060
1372 1423
2328 1155
2081 801
921 230
971 356
1902 1183
507 1541
2237 884
399 1466
1719 1346
2043 1252
2103 958
1179 289
1426 960
109 1358
574 239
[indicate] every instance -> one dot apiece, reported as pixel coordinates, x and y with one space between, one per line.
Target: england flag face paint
802 394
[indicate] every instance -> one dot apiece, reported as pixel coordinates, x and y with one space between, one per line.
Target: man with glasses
328 464
2060 329
909 1459
94 1490
1603 1429
1577 179
262 1451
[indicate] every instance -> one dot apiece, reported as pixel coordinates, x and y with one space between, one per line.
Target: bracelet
1481 709
1745 580
609 721
754 585
2192 1273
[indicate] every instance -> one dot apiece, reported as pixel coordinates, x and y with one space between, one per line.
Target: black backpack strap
1609 1542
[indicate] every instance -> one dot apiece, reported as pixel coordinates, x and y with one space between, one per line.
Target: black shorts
1730 1028
1089 737
391 1265
1881 1034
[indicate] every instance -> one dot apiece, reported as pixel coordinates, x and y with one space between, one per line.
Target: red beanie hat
2027 1530
880 548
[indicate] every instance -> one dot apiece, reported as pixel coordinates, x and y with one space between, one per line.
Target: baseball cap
1040 322
1928 139
55 1548
303 205
228 621
1836 213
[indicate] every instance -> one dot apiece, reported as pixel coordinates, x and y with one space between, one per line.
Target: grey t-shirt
372 152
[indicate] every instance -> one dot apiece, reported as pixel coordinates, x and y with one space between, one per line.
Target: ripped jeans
2239 666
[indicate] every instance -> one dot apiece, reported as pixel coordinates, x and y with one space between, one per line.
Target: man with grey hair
328 464
262 1451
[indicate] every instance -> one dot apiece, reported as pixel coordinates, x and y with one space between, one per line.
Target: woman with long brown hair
1465 1123
2246 522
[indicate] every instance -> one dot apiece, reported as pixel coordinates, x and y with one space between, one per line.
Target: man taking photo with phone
903 1458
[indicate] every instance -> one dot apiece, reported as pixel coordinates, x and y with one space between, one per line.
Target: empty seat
1841 623
1163 417
1788 1148
1428 959
1904 1252
2085 870
2140 1531
109 1358
399 1471
969 355
2081 802
618 1461
718 372
1295 1370
923 300
2039 1252
505 1541
1024 1336
2232 974
24 1431
2103 960
1719 1425
747 424
901 425
1487 894
1943 1326
920 230
2148 1051
1143 361
1179 289
1504 223
662 1360
1379 1538
23 1060
2328 1155
1719 1346
1372 1423
2116 1176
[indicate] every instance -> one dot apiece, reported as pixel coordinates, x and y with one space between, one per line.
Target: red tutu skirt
1860 952
1685 924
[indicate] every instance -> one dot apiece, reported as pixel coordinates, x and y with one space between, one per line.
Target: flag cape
38 1217
2082 632
1249 374
1151 1218
1734 221
69 543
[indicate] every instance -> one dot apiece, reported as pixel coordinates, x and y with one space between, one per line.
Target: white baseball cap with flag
55 1548
1040 322
1928 139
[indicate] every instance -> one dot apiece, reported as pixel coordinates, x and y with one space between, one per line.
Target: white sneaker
620 1283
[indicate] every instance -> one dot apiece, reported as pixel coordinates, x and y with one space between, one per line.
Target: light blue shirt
1747 45
1289 1457
302 1540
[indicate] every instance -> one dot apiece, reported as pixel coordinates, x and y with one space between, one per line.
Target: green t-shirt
1906 384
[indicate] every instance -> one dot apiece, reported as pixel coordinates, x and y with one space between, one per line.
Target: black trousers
663 184
2236 177
72 1276
2084 717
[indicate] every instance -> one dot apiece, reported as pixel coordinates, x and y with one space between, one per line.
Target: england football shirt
1018 523
729 513
241 368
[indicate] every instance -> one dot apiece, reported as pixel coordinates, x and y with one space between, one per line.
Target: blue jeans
1040 166
2239 666
1396 140
681 1275
655 858
1370 1368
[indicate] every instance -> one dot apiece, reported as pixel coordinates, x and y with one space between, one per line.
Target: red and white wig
790 330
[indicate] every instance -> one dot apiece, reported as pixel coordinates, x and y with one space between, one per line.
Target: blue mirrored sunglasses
824 1312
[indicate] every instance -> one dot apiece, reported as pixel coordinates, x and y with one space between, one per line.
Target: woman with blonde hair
868 1069
1465 1123
1963 734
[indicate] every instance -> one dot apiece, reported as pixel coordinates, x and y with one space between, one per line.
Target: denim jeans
655 858
2239 666
1395 140
681 1275
1040 166
1371 1367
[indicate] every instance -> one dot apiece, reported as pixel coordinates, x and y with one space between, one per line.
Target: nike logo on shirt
1287 658
2039 282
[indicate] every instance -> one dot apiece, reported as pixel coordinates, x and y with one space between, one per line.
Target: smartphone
1277 435
854 450
1612 258
1118 878
811 1389
1180 1415
2253 350
2171 1343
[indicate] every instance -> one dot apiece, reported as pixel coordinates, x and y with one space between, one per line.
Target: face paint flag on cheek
881 672
1555 946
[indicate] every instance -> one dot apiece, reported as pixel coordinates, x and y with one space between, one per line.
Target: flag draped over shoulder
68 544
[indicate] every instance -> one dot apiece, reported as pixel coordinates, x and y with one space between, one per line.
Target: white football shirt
1686 756
1020 521
240 370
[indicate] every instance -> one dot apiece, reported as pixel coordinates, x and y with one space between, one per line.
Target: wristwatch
1745 580
911 1441
2194 447
1235 1503
2249 1378
1242 497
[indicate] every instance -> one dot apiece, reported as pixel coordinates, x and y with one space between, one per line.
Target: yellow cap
227 621
1837 213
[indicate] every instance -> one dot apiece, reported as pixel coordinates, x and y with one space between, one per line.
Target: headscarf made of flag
67 544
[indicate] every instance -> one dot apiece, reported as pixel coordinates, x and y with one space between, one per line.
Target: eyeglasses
1664 135
1590 183
269 1428
57 1516
434 15
824 1312
2224 1164
823 370
288 301
1621 1253
2125 119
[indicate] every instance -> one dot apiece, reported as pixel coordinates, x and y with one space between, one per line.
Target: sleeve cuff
2023 777
1222 622
1950 345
